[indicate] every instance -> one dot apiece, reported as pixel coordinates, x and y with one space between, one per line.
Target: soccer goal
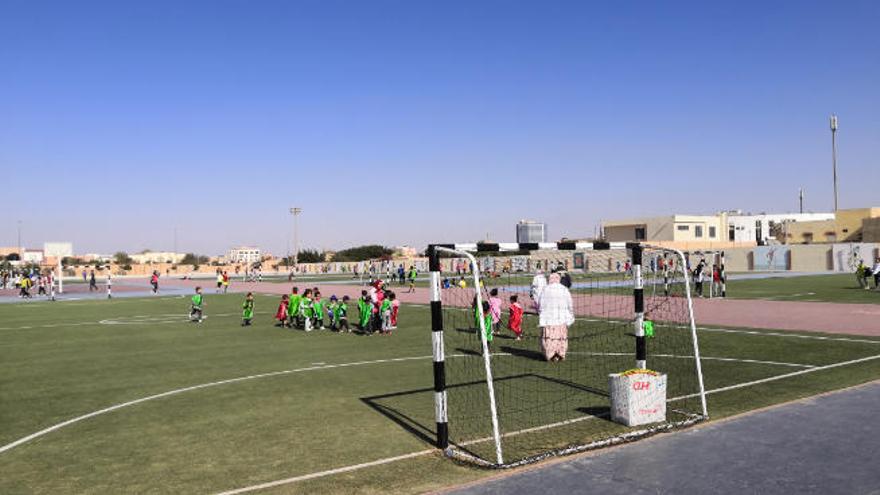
707 262
600 355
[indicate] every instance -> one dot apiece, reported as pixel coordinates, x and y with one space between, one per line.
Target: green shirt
487 320
197 300
306 305
341 311
293 304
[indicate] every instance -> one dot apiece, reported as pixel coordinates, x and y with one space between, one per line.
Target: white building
32 256
58 249
244 254
102 258
157 257
531 231
759 228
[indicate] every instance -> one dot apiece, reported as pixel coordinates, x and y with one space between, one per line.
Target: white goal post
601 281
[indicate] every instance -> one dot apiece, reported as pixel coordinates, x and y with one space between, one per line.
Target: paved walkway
822 445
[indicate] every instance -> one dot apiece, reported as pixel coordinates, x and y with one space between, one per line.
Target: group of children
377 310
492 315
309 312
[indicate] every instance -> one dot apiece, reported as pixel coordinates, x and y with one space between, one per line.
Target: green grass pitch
306 403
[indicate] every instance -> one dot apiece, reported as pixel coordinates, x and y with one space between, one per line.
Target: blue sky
411 121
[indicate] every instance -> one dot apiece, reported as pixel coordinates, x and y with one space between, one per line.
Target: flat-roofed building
244 254
850 225
667 229
157 257
58 249
530 231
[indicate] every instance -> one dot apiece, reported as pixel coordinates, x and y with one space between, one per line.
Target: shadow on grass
414 414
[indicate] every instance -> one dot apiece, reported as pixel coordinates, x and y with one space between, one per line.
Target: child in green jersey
342 315
318 312
305 309
487 320
293 307
331 311
247 310
195 311
365 311
385 315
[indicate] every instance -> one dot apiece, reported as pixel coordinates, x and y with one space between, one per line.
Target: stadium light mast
295 212
834 155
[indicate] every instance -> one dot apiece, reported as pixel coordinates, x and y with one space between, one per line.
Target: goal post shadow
406 408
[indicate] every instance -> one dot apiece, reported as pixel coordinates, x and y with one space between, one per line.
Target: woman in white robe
555 314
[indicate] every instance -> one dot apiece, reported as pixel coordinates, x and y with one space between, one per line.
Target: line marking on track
387 460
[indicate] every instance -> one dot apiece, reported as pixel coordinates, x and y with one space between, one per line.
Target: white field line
780 377
160 319
115 407
330 472
704 358
314 367
387 460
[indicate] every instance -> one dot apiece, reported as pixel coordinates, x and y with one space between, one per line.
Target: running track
854 319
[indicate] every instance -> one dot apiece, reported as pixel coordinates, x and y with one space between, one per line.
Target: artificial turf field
306 403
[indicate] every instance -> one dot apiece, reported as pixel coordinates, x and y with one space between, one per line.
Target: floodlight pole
295 212
834 155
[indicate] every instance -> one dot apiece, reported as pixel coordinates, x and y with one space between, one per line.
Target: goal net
529 341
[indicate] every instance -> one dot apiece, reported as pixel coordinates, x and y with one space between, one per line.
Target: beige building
851 225
244 254
157 257
685 231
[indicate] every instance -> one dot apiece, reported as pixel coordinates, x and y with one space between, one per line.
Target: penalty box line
388 460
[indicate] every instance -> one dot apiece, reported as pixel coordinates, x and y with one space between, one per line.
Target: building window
683 227
731 233
641 235
698 231
712 232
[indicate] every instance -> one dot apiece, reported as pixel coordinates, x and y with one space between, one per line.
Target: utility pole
20 252
801 198
295 212
834 155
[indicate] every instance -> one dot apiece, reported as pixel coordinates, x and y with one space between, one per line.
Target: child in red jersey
281 314
514 320
395 308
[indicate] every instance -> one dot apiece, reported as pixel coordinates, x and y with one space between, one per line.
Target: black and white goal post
566 319
440 399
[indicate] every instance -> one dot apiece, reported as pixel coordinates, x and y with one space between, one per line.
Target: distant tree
71 261
13 257
310 256
122 258
193 259
361 253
